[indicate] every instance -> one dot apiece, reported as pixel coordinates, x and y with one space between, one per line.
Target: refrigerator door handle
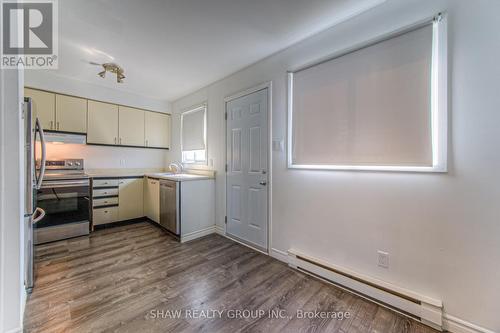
44 155
40 216
29 158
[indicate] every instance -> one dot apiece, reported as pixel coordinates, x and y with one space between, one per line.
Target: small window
379 107
193 135
194 156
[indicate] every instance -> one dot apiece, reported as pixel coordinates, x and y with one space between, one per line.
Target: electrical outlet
383 259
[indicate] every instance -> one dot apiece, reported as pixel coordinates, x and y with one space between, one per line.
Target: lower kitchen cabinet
104 215
117 199
152 199
130 198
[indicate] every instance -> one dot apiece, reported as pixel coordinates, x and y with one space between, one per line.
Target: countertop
178 177
152 173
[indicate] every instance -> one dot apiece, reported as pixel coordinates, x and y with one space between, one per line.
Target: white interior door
247 168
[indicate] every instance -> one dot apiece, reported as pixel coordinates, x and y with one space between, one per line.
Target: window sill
386 168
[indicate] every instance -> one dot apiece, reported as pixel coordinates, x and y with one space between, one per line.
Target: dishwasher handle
168 183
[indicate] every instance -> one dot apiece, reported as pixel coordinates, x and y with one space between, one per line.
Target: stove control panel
68 164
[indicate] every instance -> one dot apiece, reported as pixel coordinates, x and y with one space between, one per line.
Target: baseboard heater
427 310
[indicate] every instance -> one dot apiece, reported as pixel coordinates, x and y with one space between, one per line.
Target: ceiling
170 48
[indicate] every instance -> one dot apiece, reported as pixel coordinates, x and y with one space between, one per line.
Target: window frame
439 101
192 109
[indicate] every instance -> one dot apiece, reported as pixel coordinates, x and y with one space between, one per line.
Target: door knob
263 183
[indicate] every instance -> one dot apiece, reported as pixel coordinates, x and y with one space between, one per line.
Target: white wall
442 230
99 157
12 294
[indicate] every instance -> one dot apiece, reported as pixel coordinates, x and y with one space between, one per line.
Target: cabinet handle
58 126
115 140
120 140
51 124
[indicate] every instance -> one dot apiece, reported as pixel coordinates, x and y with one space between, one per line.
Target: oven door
64 202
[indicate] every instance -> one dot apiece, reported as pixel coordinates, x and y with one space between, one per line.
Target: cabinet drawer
105 202
105 182
105 192
105 215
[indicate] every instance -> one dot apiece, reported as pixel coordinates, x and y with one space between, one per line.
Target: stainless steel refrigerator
33 180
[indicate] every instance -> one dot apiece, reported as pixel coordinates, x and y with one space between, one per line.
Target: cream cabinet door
157 127
147 203
102 122
152 199
71 114
131 127
43 105
130 198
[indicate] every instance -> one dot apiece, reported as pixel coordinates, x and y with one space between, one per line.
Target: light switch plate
278 144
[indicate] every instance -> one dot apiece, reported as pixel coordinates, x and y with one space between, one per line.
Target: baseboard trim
15 330
197 234
280 255
244 243
407 302
220 230
456 325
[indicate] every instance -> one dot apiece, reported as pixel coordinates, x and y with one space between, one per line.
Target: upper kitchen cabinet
71 114
43 105
157 127
131 127
102 120
104 123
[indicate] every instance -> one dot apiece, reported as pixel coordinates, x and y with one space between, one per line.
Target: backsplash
103 157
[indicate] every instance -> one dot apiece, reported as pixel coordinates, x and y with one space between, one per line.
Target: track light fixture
113 68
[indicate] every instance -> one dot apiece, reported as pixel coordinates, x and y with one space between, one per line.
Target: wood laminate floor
134 278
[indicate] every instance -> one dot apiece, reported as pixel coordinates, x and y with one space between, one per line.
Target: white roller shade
193 129
371 107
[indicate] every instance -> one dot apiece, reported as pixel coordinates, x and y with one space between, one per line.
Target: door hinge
226 167
225 219
225 115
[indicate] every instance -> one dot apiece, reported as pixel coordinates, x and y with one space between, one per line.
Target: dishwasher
170 206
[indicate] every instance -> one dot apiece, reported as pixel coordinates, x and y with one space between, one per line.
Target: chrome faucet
175 167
